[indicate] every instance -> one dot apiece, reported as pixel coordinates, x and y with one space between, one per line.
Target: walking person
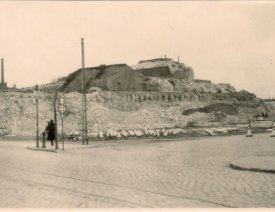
249 134
50 129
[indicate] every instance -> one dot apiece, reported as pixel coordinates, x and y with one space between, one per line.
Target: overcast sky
225 42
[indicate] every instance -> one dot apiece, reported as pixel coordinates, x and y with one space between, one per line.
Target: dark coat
50 130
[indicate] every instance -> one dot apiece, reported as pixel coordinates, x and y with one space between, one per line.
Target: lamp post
36 104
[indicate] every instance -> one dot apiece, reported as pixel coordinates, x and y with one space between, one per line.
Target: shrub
191 124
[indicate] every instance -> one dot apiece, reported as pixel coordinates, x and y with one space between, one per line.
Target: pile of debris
150 133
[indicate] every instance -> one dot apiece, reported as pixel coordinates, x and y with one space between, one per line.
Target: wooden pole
37 131
37 127
2 71
84 107
55 119
62 131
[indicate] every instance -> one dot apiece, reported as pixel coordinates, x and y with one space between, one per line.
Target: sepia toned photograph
137 104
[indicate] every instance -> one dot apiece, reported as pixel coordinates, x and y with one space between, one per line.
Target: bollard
43 140
273 131
249 134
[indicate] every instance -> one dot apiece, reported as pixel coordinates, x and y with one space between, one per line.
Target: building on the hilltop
164 67
3 84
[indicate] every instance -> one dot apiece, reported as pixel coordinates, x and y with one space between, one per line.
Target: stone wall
132 101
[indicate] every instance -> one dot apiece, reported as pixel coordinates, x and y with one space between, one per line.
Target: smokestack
2 71
178 59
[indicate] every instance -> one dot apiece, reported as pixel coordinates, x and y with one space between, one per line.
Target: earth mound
118 77
217 107
156 75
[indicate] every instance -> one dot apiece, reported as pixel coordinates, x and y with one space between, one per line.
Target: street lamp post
36 104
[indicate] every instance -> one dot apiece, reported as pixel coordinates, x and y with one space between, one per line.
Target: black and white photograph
137 104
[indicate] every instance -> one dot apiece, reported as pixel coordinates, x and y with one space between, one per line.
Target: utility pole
84 107
86 128
37 127
62 132
2 71
55 119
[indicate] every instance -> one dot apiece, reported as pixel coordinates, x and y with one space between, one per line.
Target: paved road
187 173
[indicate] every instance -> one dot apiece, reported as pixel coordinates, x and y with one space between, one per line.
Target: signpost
62 110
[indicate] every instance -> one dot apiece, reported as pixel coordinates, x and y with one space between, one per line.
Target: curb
240 168
44 150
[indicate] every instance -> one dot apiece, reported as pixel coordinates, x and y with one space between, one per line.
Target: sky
225 42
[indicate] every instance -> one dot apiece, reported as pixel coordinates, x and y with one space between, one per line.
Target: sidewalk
255 163
252 163
69 145
42 149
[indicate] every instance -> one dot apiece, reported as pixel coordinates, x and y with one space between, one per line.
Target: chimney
178 59
2 71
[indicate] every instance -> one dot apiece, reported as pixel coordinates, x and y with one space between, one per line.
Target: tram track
79 193
94 182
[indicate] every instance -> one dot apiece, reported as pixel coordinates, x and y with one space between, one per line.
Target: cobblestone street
179 173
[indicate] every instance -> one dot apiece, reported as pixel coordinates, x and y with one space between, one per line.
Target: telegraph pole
84 107
55 119
86 128
2 71
37 128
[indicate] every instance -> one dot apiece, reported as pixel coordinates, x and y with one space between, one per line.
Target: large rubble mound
152 96
157 75
114 78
